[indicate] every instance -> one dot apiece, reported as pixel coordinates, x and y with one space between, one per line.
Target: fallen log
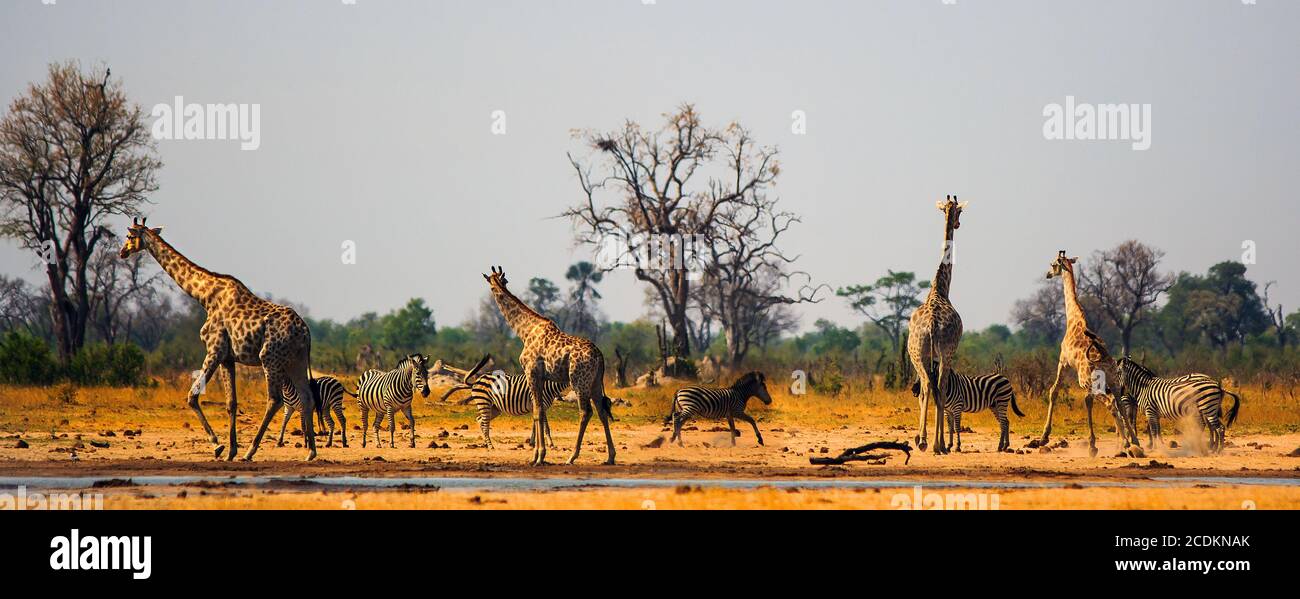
860 454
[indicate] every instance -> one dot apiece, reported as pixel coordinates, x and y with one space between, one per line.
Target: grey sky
375 127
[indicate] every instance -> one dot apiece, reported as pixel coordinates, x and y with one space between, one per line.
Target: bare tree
23 308
647 201
1277 318
74 151
744 273
1125 280
118 290
1042 314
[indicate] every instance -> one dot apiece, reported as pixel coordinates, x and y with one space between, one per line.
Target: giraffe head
420 372
1061 265
497 280
754 384
136 240
951 210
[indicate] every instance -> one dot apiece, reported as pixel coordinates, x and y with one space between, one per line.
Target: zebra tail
672 412
466 400
1015 408
1232 413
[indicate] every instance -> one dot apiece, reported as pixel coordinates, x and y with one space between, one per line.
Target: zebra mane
1126 361
747 380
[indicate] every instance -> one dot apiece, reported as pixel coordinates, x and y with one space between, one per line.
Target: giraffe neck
519 316
196 281
943 276
1073 311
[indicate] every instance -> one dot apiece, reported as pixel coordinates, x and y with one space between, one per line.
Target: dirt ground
154 436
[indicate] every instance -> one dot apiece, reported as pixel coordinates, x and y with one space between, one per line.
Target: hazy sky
376 127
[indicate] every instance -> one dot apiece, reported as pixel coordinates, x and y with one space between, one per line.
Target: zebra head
419 373
1061 265
754 384
951 210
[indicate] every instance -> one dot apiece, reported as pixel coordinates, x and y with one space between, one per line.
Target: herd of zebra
1194 398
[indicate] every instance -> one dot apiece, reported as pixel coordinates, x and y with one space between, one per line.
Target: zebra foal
714 403
328 392
967 394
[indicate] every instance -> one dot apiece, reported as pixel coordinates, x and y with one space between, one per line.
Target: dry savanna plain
143 449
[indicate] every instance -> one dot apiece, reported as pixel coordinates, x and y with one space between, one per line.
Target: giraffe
552 355
1085 352
241 328
935 330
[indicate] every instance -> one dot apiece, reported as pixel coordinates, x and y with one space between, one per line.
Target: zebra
715 403
966 394
388 392
328 392
499 393
1186 396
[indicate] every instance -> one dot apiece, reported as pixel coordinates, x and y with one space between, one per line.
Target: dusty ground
56 428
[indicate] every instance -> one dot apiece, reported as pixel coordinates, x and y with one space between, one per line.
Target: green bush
26 360
117 365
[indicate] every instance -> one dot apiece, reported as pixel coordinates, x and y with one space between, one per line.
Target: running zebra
714 403
967 394
389 392
499 393
1194 397
328 393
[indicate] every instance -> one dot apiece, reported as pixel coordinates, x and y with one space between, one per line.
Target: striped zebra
966 394
1194 397
328 392
389 392
714 403
499 393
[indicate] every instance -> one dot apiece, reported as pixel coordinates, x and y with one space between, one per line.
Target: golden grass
886 414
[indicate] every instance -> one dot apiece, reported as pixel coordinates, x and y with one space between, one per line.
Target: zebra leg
956 426
392 425
750 419
1155 431
365 425
410 417
323 419
731 429
1004 426
678 421
343 424
288 413
485 426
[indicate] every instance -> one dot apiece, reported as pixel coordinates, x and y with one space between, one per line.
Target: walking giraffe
550 354
241 328
1085 352
935 330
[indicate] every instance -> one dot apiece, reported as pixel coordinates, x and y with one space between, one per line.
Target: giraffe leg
307 410
923 401
584 405
534 378
1092 435
232 407
288 413
274 399
200 383
1051 407
939 406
